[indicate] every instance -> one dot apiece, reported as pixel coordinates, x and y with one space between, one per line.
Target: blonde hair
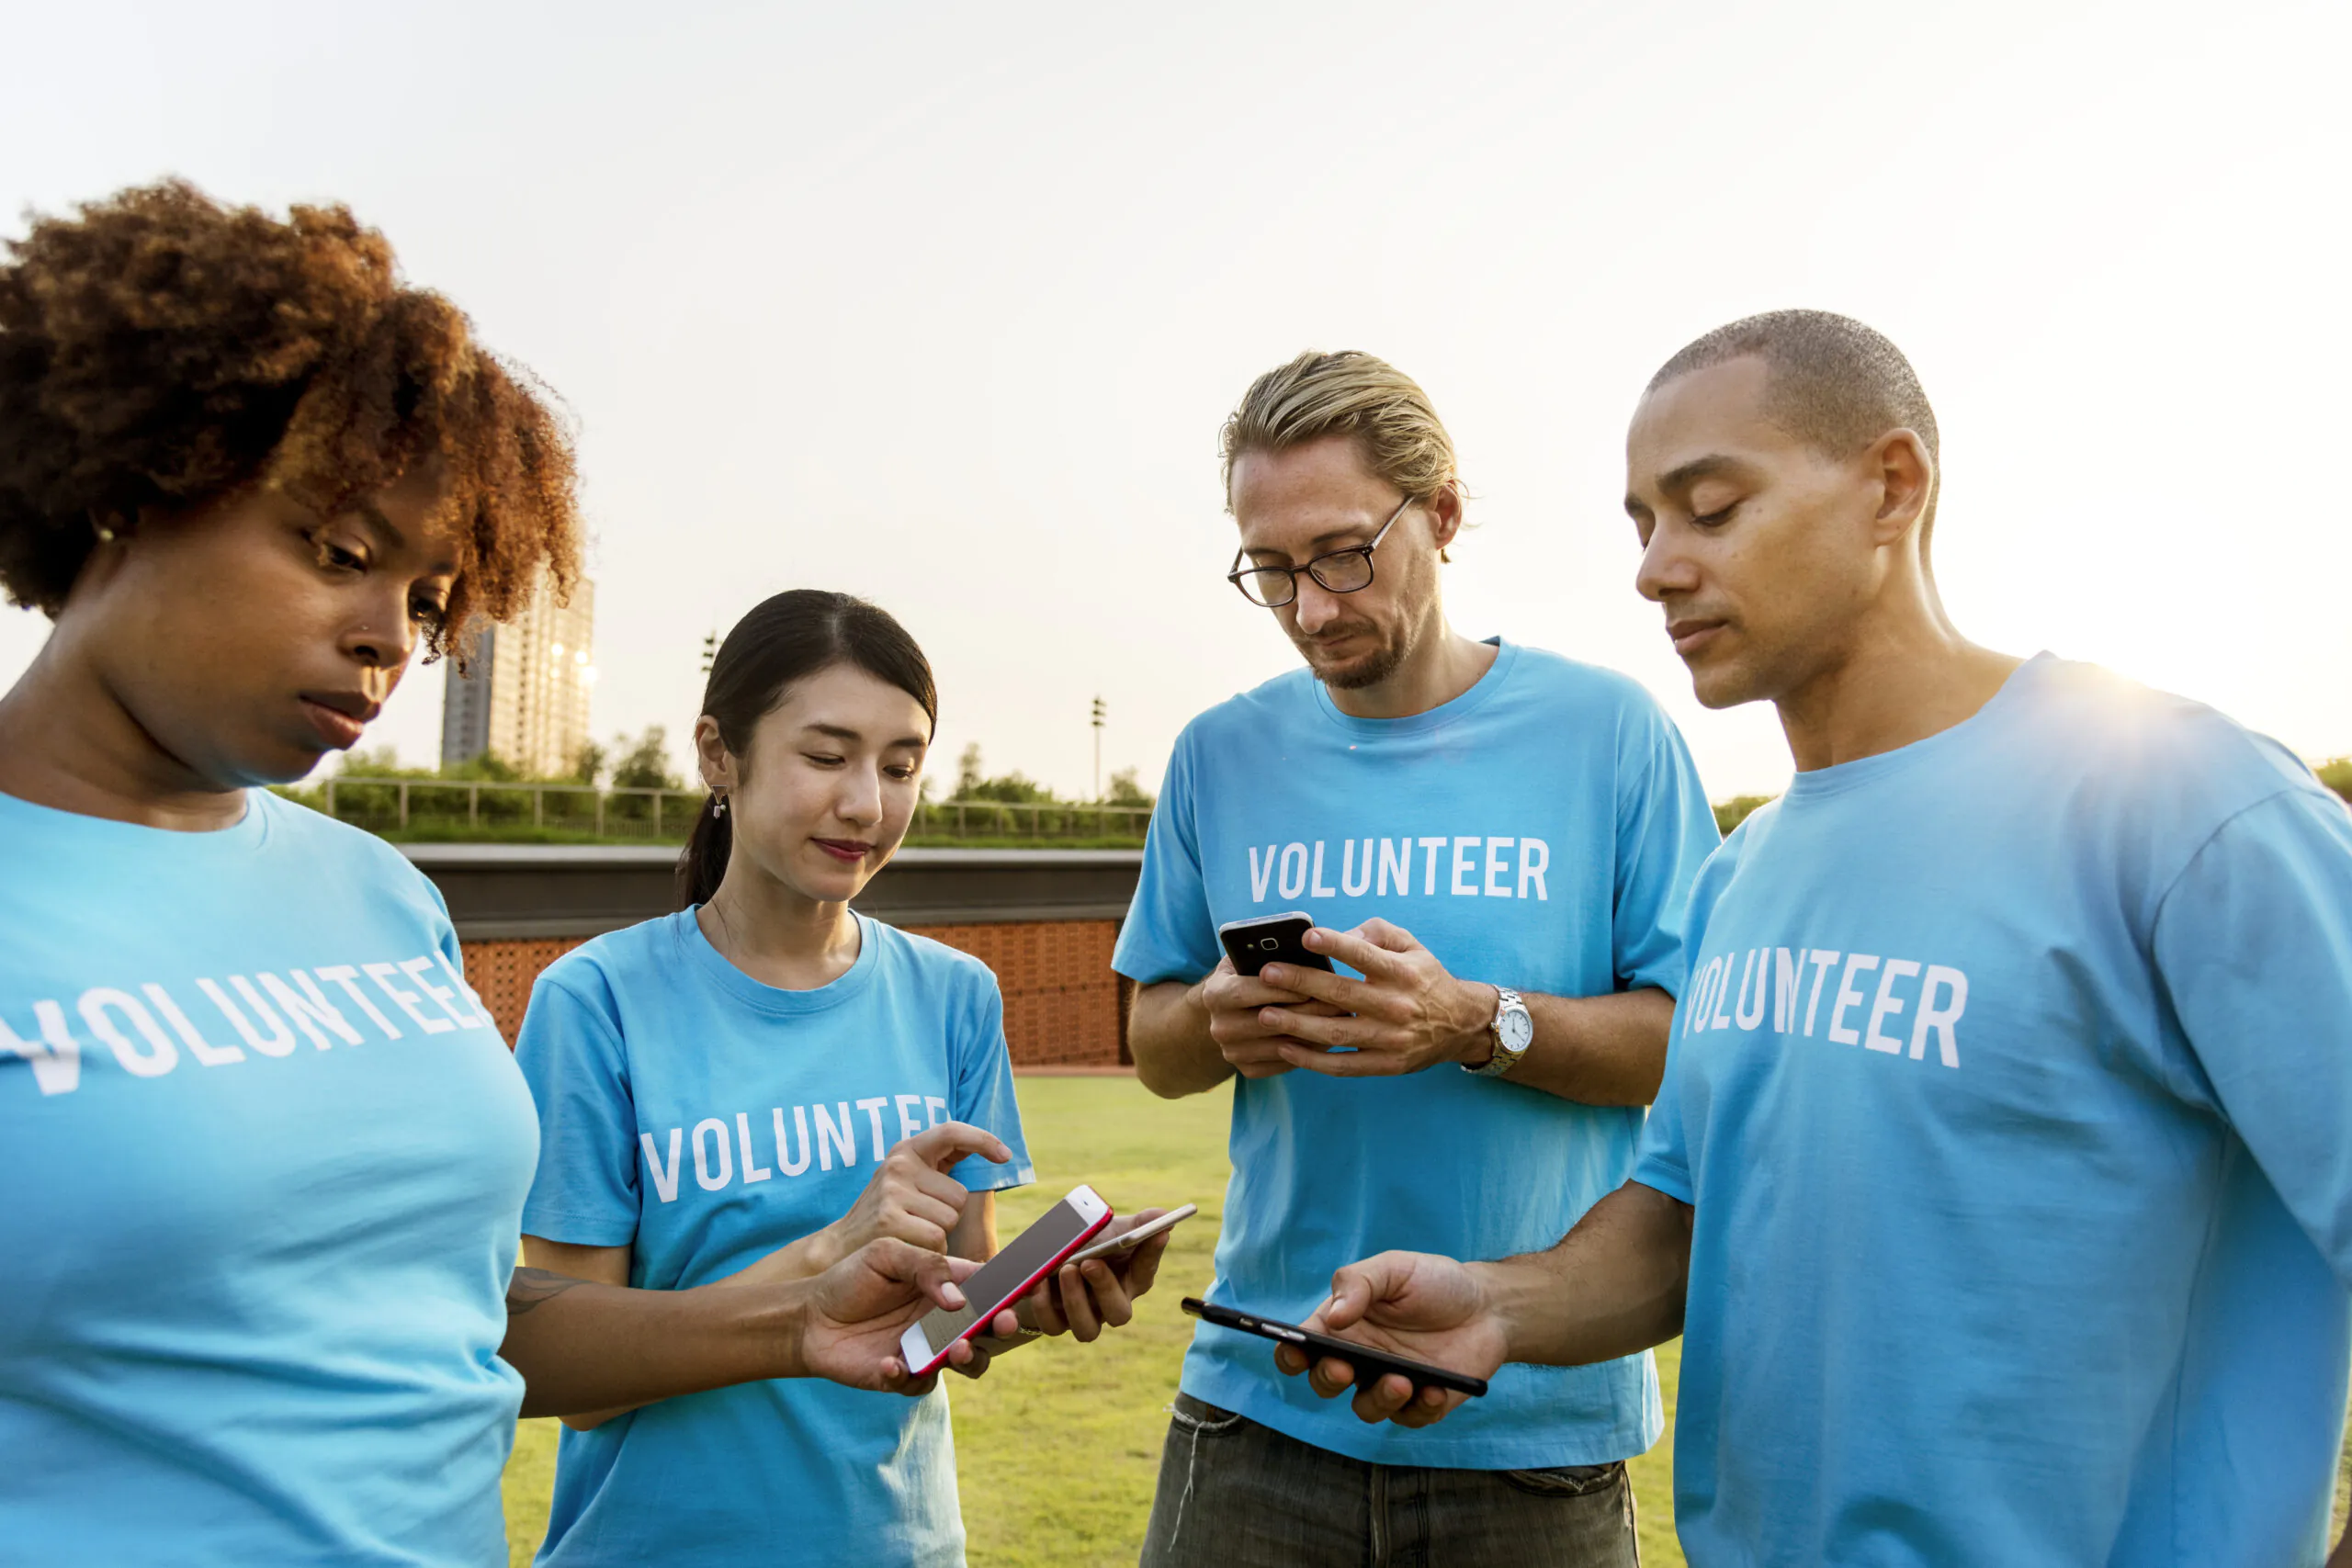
1349 393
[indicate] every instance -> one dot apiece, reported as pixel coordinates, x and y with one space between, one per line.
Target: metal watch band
1507 1001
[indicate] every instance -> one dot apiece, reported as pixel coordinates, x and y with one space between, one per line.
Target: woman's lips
849 852
340 731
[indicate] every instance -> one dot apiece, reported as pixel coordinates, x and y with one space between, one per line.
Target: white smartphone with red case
1004 1278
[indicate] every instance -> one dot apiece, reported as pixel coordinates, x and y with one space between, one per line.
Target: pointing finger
941 1147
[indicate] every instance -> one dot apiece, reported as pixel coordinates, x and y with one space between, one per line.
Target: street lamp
1098 749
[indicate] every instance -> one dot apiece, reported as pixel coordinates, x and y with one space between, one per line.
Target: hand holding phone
1115 1244
1034 1254
1098 1288
1427 1311
1234 995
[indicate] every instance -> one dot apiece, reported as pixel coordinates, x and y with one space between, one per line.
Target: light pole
1098 749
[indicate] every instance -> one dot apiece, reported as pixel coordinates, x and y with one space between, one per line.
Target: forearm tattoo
529 1287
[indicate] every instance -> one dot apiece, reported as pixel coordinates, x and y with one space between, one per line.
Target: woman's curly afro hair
159 350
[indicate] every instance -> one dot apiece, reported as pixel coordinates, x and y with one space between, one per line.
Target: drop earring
718 809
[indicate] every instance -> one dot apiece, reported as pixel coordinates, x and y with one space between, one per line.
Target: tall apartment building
525 695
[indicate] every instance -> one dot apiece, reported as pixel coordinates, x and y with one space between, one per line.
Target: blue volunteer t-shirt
265 1157
702 1120
2012 1090
1539 831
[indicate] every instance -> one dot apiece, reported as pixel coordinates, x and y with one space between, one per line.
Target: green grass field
1074 1487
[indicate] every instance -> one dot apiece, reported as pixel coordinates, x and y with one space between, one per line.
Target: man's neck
1898 683
1441 667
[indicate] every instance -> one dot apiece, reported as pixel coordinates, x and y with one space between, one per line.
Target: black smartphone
1370 1365
1271 938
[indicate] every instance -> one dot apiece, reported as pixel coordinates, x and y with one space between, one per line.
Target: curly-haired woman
268 1155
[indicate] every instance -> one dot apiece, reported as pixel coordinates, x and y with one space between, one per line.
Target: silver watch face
1515 1028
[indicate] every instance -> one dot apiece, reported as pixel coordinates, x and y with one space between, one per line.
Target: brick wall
1062 1005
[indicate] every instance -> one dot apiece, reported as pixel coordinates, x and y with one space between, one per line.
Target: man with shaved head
2000 1184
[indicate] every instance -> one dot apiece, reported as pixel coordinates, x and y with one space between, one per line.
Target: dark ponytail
781 643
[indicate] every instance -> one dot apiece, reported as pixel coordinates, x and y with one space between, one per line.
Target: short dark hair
1830 380
160 349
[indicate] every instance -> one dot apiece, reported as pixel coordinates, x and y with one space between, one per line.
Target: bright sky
944 305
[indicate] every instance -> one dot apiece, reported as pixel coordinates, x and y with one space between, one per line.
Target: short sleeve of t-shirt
984 1096
1662 1158
1168 935
1666 830
2253 943
586 1194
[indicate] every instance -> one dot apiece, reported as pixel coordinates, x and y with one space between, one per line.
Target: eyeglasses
1341 572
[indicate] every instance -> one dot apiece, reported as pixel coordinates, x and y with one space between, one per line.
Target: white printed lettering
1885 1005
1293 858
831 1138
55 1054
665 1183
1716 1017
1315 887
908 1126
753 1170
480 1014
407 1000
1822 959
1694 1006
1534 855
1353 886
1428 882
1750 1017
343 975
934 1111
442 996
873 1109
1260 877
1464 868
279 1042
783 1160
307 1013
1401 866
716 1132
1945 1021
1786 968
160 1058
1498 867
203 1050
1856 962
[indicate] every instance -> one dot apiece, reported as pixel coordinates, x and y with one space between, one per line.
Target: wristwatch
1514 1031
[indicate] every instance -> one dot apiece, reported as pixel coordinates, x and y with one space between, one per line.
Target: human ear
712 759
1906 478
1445 518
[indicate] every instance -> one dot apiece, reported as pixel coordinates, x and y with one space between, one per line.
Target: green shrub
1730 814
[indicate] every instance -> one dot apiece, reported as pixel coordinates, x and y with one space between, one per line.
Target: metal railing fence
411 806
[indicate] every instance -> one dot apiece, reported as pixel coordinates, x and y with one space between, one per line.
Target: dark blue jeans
1235 1494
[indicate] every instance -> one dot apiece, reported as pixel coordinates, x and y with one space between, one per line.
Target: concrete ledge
554 891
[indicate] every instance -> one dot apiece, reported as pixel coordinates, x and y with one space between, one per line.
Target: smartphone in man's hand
1271 938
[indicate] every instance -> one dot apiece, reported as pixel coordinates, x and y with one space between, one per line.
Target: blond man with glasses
1496 845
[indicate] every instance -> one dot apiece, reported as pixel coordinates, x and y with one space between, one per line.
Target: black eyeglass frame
1240 572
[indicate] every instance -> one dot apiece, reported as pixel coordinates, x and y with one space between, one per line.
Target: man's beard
1366 669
